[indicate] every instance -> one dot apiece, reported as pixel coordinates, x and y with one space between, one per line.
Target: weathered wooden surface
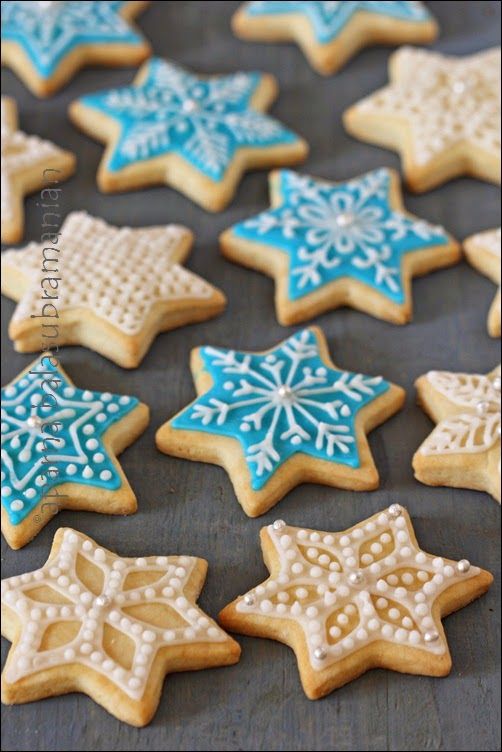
190 508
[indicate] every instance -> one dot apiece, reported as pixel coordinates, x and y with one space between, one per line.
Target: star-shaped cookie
112 627
59 447
276 419
28 163
441 113
114 288
46 43
347 602
329 33
464 449
196 134
483 253
333 244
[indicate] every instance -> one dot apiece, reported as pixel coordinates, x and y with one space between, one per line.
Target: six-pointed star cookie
197 134
334 244
119 287
330 33
46 43
348 602
280 418
27 164
441 113
483 252
59 447
111 627
464 449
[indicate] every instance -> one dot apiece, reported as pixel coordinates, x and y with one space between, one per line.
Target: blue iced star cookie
197 134
57 38
54 433
330 244
288 404
330 32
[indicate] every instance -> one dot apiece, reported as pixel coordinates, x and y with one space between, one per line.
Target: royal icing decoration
348 590
53 433
48 32
473 426
94 612
141 263
328 19
20 153
446 102
341 231
280 403
206 121
475 246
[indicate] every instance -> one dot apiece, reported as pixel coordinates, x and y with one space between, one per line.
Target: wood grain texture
189 508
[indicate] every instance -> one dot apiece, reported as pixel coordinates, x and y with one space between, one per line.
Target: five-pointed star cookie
28 163
483 252
113 288
464 449
280 418
330 33
91 621
46 43
348 602
196 134
59 447
441 113
333 244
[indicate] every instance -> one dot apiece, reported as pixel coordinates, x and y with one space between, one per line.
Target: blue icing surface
345 230
204 120
329 18
52 433
49 31
281 403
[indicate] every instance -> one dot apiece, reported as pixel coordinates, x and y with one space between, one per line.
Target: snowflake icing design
49 31
280 403
346 230
346 590
204 120
477 427
109 608
52 433
330 17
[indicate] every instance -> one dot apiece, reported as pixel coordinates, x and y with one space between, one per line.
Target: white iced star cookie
198 134
347 602
28 163
330 33
276 419
59 449
441 113
333 244
120 287
46 43
483 253
464 449
112 627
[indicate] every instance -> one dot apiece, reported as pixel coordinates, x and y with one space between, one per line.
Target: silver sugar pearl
497 383
394 511
285 391
34 421
103 600
345 219
356 578
249 599
320 654
482 407
189 105
463 565
431 636
278 524
459 87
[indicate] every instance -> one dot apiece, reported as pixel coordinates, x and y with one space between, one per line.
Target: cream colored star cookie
276 419
28 163
111 627
347 602
46 43
483 253
441 113
114 289
464 449
329 33
59 449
